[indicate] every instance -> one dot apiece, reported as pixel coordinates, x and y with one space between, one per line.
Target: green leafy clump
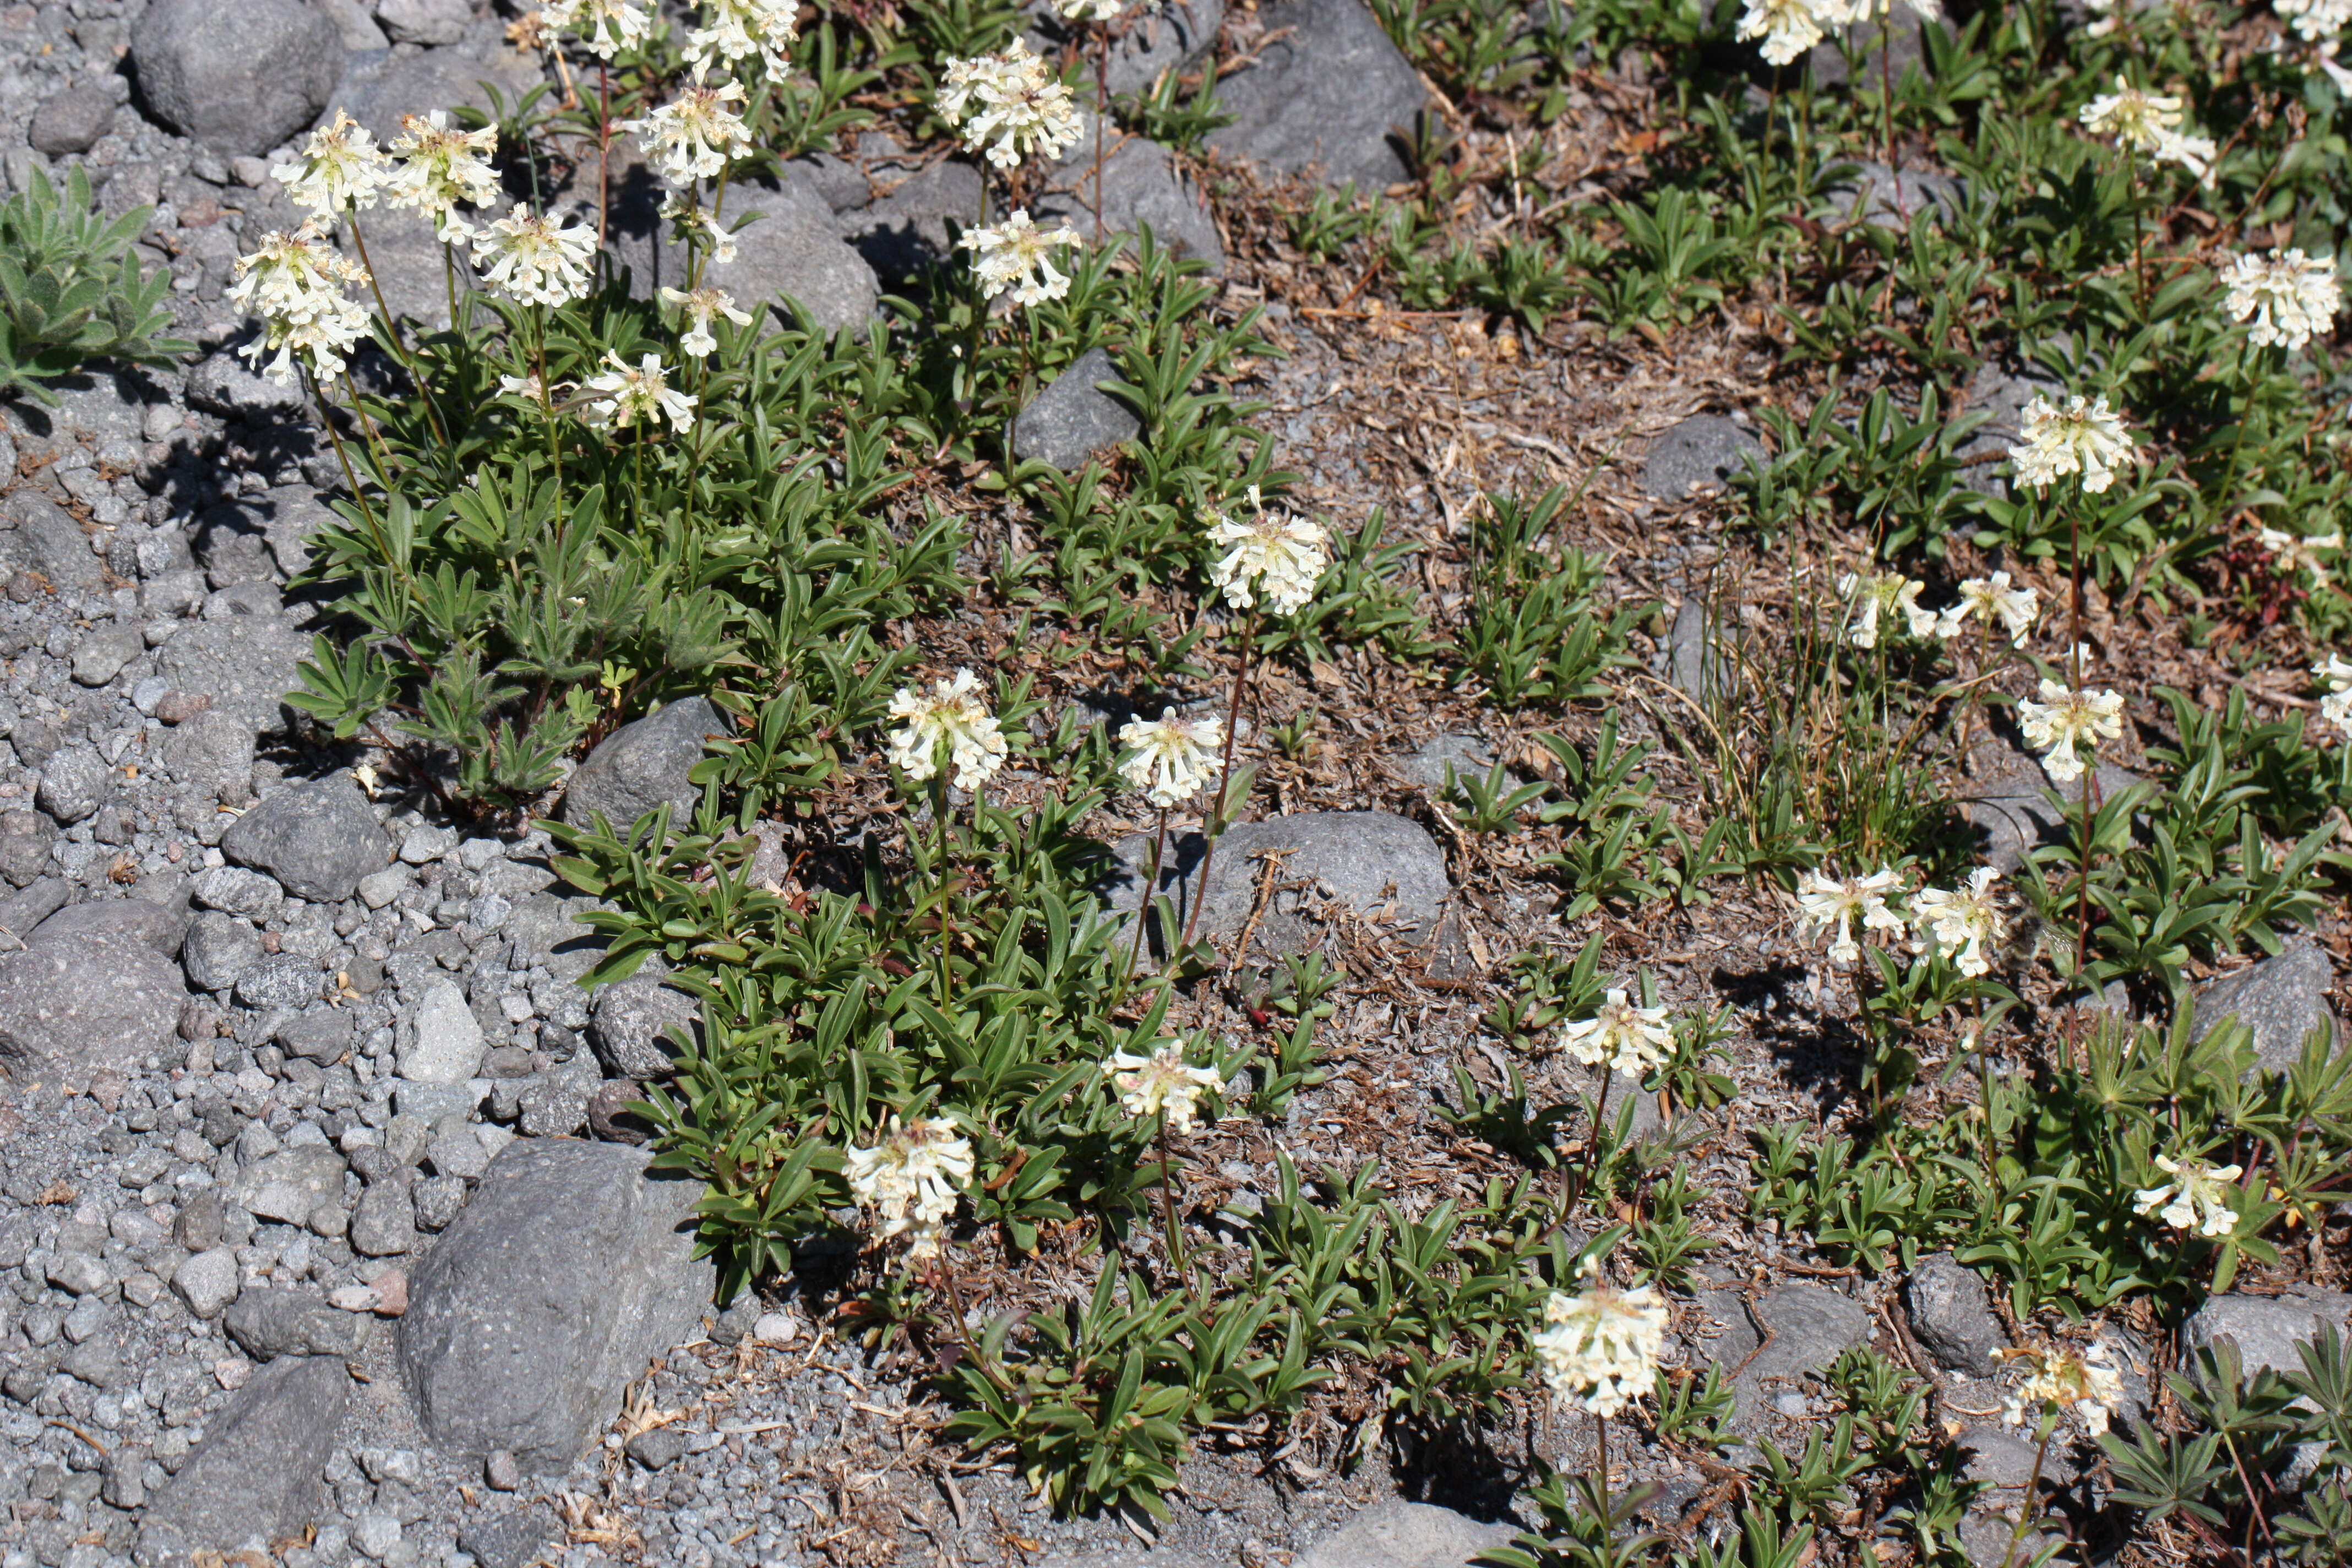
71 291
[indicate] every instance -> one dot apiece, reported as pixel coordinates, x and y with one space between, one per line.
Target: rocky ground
324 1238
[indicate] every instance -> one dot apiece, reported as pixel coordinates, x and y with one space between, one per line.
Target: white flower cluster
2335 673
702 306
1274 554
1966 922
2196 1199
605 28
1168 758
2060 1379
1621 1035
694 135
2149 122
736 29
534 258
623 394
1018 255
1162 1084
910 1178
950 712
1993 599
440 166
2296 552
2065 724
295 283
1791 27
1010 106
2290 296
2314 21
2086 437
1599 1348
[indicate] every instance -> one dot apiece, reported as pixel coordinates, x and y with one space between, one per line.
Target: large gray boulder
1379 864
2282 1001
239 76
644 764
378 88
257 1472
160 925
567 1273
1140 190
88 1002
317 839
1329 91
1952 1316
1073 420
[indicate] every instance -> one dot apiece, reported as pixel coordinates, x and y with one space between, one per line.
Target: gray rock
438 1201
260 538
905 229
2282 1001
213 753
258 1469
442 1044
239 76
1697 661
318 840
425 21
508 1540
659 1448
1397 1534
2007 804
383 1223
793 250
377 90
50 542
1140 190
1329 91
218 950
88 1004
1952 1316
244 664
175 594
1440 759
25 840
225 383
161 927
1811 1327
564 1275
643 765
102 652
556 1103
1359 856
22 912
267 1324
323 1036
1879 196
207 1280
75 783
71 120
2001 397
290 1185
2265 1328
232 890
456 1151
355 23
1705 451
280 981
1071 420
632 1023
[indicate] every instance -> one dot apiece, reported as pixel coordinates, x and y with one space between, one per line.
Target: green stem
1168 1195
2032 1491
392 333
1150 894
1225 782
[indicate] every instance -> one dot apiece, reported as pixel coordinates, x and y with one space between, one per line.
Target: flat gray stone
905 229
793 251
48 541
2282 1000
225 384
1378 863
1408 1535
384 1221
425 21
566 1273
2006 804
239 76
377 90
632 1023
244 664
71 120
22 911
207 1280
2266 1329
218 950
74 781
442 1044
1878 194
2001 396
1330 92
1071 420
1704 452
258 1469
26 840
1440 759
1702 660
280 981
643 765
317 839
508 1540
1140 189
87 1003
291 1183
213 753
269 1323
158 926
102 652
1952 1316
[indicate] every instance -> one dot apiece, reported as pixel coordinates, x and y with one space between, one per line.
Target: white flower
740 28
1162 1084
1021 107
2062 1379
2136 118
324 337
295 283
2293 553
911 1177
1993 599
1019 256
2105 10
1090 10
2290 296
606 27
2194 153
1282 556
694 135
2197 1198
339 168
441 166
1965 920
692 217
1627 1039
1169 759
526 388
1830 904
1599 1349
2336 674
950 713
1789 27
2065 724
2314 21
1879 595
2084 437
534 259
622 396
701 306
